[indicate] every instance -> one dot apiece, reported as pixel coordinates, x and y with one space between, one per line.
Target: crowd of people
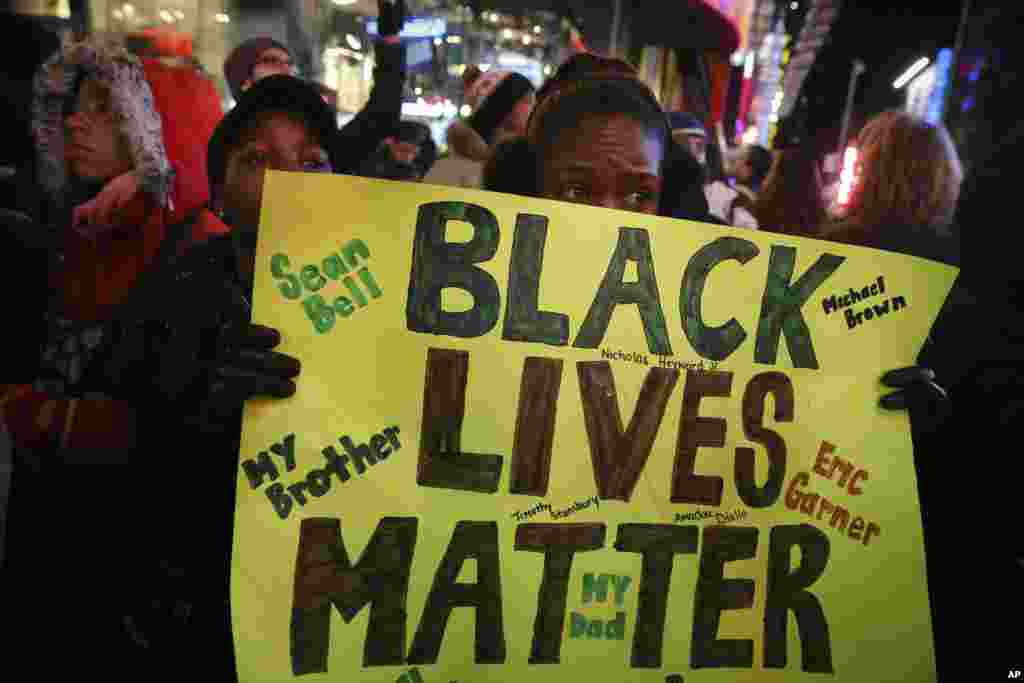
141 203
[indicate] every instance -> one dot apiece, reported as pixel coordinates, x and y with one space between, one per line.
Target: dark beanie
239 64
277 93
499 104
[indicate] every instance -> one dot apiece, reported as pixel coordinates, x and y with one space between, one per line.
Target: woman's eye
255 159
574 192
638 198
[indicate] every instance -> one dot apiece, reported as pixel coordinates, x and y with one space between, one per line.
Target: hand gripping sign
548 441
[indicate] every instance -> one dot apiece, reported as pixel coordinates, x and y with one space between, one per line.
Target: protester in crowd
501 102
723 200
907 189
280 124
598 136
750 167
791 198
254 59
682 194
408 154
356 142
148 347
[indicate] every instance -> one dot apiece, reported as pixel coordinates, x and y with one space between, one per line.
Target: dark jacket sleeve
361 136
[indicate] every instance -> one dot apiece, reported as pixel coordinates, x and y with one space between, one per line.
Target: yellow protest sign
534 440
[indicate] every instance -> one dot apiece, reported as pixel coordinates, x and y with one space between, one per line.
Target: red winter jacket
168 115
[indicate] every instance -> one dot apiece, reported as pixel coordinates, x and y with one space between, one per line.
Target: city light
455 40
527 40
537 29
353 42
129 10
485 67
909 74
438 42
508 34
419 91
222 18
466 110
511 59
548 70
342 3
179 14
167 16
794 5
118 15
848 176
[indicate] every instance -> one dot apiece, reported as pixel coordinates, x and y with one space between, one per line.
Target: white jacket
464 165
720 197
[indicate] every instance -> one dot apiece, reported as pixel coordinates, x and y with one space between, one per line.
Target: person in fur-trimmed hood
501 102
102 119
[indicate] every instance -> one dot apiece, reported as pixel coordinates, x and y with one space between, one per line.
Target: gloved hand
917 392
185 345
391 17
243 366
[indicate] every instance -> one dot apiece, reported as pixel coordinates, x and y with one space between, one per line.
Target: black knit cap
278 93
489 115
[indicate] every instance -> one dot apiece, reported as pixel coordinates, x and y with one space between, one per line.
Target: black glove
917 392
185 344
243 366
391 16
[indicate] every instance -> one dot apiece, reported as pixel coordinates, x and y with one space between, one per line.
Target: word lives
317 482
596 591
854 317
849 477
343 266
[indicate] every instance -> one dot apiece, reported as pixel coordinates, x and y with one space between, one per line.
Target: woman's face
606 161
278 142
94 148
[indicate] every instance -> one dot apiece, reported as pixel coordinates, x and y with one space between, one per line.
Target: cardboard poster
541 441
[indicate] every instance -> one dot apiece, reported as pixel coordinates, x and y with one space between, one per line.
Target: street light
909 74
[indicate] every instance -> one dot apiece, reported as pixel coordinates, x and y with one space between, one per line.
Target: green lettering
290 288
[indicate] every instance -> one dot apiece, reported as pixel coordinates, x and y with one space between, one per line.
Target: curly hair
910 175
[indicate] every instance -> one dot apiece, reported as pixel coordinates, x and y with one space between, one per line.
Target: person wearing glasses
358 140
254 59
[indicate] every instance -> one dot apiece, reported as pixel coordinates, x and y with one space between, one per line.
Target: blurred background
756 71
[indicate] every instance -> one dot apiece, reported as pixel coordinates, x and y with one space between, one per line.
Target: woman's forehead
616 139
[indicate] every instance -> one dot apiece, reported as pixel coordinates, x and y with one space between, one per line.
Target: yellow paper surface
367 373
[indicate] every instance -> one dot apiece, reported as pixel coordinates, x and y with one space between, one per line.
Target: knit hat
239 64
685 123
271 94
494 95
